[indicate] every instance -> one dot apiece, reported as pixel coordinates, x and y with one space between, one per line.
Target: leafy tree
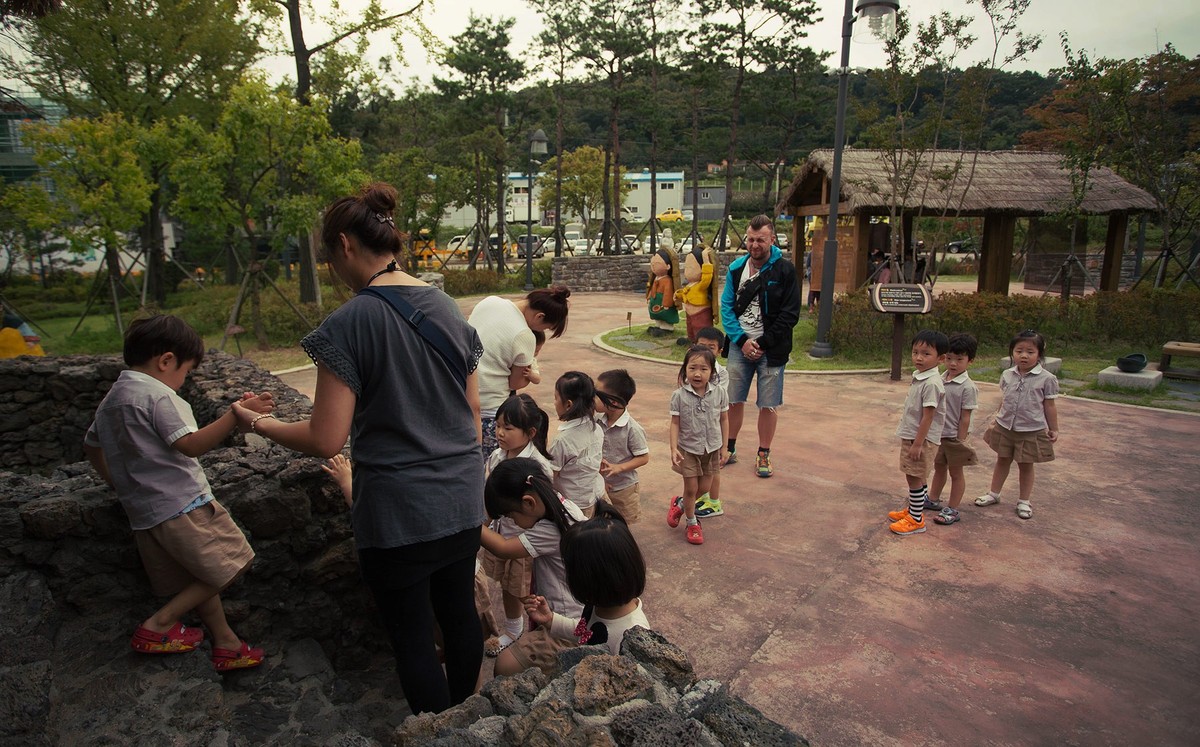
483 73
1139 117
149 60
583 182
426 189
268 167
743 34
100 190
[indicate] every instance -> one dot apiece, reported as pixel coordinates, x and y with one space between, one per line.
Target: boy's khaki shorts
514 575
537 648
696 465
922 466
202 545
628 501
955 453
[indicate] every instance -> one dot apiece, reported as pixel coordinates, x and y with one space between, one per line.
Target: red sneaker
695 534
675 511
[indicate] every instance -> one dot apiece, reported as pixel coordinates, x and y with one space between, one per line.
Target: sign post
899 299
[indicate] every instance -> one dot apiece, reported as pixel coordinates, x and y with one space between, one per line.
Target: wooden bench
1179 348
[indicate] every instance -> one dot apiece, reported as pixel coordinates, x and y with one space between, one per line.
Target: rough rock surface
72 589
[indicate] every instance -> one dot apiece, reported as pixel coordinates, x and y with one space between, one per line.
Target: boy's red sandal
228 660
179 639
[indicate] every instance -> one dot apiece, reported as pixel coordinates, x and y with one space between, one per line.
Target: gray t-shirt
136 426
623 440
961 394
699 417
926 390
576 454
543 542
418 473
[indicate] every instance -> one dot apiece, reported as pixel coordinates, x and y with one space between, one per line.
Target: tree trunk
301 53
152 246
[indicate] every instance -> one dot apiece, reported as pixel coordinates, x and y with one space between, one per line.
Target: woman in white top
506 330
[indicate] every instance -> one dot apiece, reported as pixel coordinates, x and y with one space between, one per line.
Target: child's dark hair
520 411
711 333
603 563
162 333
539 338
1028 335
962 343
511 480
934 339
694 351
577 388
620 385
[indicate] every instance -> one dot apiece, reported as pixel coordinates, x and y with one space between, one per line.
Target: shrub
1140 318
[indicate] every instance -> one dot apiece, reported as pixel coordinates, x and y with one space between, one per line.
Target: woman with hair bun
506 329
404 389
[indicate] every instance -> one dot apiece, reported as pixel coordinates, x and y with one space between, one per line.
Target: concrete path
1076 627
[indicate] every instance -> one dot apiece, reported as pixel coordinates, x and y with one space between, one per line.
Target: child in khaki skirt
520 432
1026 426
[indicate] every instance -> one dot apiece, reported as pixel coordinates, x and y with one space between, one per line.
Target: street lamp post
537 147
881 24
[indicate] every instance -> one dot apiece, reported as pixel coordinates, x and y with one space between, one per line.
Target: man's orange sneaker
907 526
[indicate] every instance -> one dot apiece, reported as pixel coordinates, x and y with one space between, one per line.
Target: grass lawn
1081 364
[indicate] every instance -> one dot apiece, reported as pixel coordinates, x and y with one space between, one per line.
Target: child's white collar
922 375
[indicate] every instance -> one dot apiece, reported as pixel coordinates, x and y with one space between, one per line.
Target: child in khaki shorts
144 442
625 447
962 398
920 429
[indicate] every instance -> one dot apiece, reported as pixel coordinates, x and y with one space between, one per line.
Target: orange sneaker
695 534
898 515
907 526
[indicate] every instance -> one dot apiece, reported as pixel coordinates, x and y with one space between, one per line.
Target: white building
637 200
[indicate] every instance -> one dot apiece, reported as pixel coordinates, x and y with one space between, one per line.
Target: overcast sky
1108 28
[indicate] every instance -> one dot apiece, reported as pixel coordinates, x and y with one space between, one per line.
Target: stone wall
622 273
72 589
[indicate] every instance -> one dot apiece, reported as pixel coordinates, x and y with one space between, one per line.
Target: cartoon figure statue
699 302
660 294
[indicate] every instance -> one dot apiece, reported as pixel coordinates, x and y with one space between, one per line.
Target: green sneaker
764 464
732 458
707 508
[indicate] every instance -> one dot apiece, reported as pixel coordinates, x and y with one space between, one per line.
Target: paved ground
1076 627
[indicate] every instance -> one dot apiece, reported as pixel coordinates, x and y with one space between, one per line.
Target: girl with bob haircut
578 448
605 571
519 490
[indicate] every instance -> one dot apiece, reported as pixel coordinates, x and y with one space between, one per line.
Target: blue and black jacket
778 298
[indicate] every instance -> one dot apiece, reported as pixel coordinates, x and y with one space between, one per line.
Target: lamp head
537 143
875 20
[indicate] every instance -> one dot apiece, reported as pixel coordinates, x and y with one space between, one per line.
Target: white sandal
1024 510
987 499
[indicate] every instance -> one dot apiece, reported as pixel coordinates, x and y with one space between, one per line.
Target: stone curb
599 342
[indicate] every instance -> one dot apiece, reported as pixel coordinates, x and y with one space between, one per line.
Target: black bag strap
425 329
746 294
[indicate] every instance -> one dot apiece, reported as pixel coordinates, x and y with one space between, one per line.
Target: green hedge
1142 318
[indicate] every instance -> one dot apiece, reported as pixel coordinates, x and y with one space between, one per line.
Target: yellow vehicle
670 215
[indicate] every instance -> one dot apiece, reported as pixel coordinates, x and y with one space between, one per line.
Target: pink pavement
1078 626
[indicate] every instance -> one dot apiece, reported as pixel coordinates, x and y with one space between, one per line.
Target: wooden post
897 344
995 260
1114 245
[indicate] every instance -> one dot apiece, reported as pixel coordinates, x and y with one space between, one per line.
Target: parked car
629 244
670 215
781 240
538 248
962 245
688 215
580 247
458 243
549 246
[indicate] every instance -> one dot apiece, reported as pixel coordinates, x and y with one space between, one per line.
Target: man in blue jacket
760 305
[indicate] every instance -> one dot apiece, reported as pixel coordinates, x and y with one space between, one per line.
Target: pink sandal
178 640
227 660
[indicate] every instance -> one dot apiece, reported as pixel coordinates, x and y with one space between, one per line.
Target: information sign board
901 298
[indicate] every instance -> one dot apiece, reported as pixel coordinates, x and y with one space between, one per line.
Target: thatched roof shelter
1000 186
964 183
